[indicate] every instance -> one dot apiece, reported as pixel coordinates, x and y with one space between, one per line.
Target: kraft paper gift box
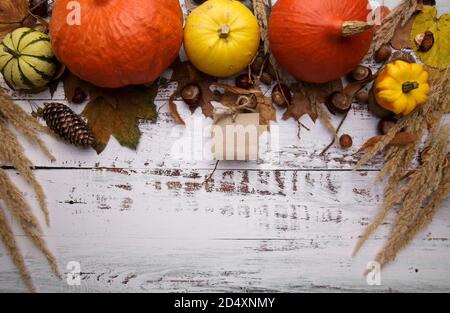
236 140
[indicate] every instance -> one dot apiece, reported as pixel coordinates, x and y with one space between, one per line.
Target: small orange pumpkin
117 42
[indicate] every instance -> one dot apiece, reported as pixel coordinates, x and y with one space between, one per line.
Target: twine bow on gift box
242 103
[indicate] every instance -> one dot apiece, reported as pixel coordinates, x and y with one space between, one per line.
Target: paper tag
238 141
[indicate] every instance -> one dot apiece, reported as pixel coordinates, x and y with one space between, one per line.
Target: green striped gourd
26 59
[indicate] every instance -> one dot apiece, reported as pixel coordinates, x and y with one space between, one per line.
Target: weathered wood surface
144 221
161 230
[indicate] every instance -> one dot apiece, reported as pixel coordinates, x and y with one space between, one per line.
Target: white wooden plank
246 231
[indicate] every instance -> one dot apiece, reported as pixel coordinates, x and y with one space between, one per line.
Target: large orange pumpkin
117 42
320 40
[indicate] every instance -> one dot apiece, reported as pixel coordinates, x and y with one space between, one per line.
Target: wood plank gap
49 168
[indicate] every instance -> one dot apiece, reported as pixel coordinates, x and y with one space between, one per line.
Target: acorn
360 73
281 95
362 96
383 54
192 95
425 41
346 141
244 81
338 102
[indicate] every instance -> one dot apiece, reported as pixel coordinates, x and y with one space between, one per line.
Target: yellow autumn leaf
439 55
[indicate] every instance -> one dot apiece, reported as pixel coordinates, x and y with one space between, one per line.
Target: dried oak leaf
308 96
400 139
299 106
13 15
438 56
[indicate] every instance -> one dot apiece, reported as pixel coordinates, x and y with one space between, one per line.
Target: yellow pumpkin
401 87
221 37
26 59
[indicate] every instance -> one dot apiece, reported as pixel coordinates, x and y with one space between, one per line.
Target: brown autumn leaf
401 36
13 15
265 108
308 96
400 139
299 106
318 93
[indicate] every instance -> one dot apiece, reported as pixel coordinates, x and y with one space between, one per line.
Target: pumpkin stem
409 86
224 31
353 28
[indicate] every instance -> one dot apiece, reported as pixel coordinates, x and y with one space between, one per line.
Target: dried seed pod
192 95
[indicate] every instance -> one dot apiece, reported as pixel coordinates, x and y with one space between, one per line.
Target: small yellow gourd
401 87
221 37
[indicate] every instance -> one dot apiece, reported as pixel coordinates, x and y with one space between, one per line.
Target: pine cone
68 125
